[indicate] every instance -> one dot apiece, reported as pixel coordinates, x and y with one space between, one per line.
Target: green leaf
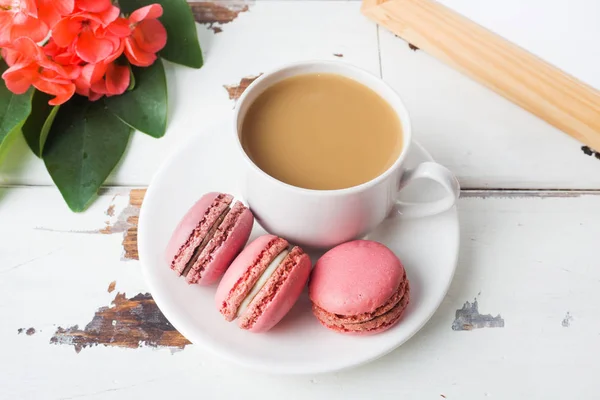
182 38
14 110
85 143
145 107
131 79
38 124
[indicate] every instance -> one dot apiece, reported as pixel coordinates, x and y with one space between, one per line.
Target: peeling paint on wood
127 223
566 322
28 331
469 318
339 55
136 197
235 91
111 210
111 286
129 323
589 152
215 15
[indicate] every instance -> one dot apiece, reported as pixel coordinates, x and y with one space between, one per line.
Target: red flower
148 37
85 31
29 65
88 36
19 18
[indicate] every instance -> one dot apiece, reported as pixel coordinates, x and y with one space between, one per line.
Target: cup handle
437 173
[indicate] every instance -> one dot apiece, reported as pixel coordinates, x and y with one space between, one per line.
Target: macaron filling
209 235
262 280
186 251
244 284
283 275
222 232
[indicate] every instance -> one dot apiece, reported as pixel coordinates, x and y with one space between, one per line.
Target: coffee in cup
322 131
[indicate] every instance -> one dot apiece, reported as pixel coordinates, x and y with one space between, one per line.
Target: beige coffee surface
321 131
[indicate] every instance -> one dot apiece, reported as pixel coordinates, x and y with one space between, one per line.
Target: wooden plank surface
70 296
520 317
487 141
251 38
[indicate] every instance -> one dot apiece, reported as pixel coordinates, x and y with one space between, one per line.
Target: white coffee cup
325 218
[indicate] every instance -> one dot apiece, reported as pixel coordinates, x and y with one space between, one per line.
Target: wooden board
70 296
511 71
487 141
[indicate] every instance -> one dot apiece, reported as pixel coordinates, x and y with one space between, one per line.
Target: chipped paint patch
469 318
111 286
215 15
28 331
235 91
589 152
412 47
566 322
136 197
127 224
111 210
129 323
338 55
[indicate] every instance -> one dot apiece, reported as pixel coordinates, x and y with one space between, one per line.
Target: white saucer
428 248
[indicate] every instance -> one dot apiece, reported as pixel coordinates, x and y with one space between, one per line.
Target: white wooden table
77 322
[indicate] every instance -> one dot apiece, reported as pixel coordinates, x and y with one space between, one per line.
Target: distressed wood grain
215 14
136 197
236 90
129 322
531 283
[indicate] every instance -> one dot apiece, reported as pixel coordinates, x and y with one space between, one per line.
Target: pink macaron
209 236
263 283
359 287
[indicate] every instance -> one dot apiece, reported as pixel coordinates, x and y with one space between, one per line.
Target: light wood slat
530 261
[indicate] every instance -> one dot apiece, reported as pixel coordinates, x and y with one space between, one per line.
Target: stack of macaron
358 287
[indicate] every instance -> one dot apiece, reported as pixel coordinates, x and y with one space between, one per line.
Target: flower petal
117 53
63 92
28 48
93 5
66 30
150 35
63 7
92 49
109 15
19 77
117 78
29 7
120 27
50 11
137 56
152 11
92 73
30 27
11 56
5 27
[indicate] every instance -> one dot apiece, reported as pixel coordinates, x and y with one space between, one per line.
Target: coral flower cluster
63 47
